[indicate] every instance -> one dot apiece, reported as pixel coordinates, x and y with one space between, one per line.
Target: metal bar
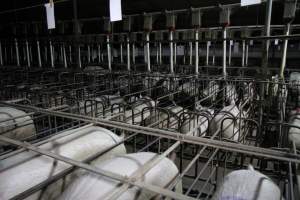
284 53
79 57
108 53
70 54
230 52
128 53
51 54
65 56
171 52
243 53
207 52
99 53
39 53
133 53
160 53
148 52
121 52
175 53
247 54
17 52
197 52
224 52
1 55
241 148
89 54
191 52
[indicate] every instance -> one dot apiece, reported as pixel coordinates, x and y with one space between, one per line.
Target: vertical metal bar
224 52
191 52
51 54
157 54
39 53
133 53
171 52
1 56
284 53
121 52
243 53
197 52
89 53
207 52
99 53
17 52
108 52
230 52
160 54
266 45
65 56
148 52
70 54
247 54
128 53
27 54
79 57
175 53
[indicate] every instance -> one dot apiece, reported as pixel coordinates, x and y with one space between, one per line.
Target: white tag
209 43
251 42
276 42
249 2
231 42
50 15
115 10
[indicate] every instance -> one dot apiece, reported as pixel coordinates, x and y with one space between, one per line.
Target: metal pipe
197 52
284 53
265 54
65 56
1 56
247 54
89 53
133 53
243 53
191 52
224 52
157 54
99 53
51 54
128 53
207 52
108 52
171 52
39 53
46 53
160 54
148 52
17 52
79 57
121 52
70 54
175 53
230 51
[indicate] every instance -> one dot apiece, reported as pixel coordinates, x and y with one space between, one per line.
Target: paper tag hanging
50 15
249 2
115 10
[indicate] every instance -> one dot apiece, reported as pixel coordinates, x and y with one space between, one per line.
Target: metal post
79 57
157 54
247 54
175 53
17 52
61 56
99 53
191 52
207 52
89 53
224 52
197 52
171 53
108 53
265 54
39 53
160 54
65 56
46 53
51 54
1 56
243 53
133 53
27 53
121 52
70 54
230 49
148 52
128 53
283 61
